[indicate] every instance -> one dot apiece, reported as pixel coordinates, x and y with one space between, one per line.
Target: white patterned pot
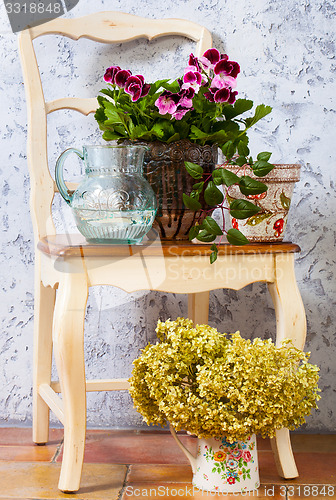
269 223
222 466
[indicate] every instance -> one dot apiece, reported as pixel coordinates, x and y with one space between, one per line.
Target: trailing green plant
213 384
208 230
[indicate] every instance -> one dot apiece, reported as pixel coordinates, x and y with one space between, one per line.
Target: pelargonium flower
167 102
180 112
121 77
186 96
136 87
110 74
210 58
193 61
224 67
192 79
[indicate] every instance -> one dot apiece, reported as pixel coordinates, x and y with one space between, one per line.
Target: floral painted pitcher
222 466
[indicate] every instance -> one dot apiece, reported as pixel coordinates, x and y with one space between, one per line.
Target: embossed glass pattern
114 203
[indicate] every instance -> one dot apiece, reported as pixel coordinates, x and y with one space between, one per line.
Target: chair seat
75 245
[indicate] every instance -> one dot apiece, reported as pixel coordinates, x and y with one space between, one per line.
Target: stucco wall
287 54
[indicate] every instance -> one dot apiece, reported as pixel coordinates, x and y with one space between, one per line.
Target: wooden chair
70 265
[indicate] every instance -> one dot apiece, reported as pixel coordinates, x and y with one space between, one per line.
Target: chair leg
68 337
198 307
291 324
44 304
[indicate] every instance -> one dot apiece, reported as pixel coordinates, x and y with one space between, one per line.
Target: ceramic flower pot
222 466
165 171
269 223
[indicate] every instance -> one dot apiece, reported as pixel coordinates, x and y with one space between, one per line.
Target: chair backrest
106 27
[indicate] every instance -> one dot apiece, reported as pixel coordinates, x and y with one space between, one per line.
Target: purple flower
121 77
110 74
193 61
186 96
136 87
224 67
180 112
167 102
192 79
223 81
210 58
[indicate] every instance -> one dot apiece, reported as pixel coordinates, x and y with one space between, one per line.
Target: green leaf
196 171
285 201
171 86
205 236
110 136
240 161
211 226
243 149
225 176
240 106
260 112
261 168
235 237
198 187
212 195
264 156
191 203
228 149
111 113
242 209
258 218
174 137
248 186
213 257
156 85
194 232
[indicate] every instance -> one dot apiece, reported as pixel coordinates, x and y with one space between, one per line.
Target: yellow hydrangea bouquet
213 384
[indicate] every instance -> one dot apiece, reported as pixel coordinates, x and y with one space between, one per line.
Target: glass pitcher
114 203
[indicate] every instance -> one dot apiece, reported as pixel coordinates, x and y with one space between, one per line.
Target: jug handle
62 188
187 453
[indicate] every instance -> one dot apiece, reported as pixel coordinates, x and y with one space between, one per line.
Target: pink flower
136 87
247 456
192 79
193 61
179 113
223 81
224 67
186 97
110 74
236 454
167 102
121 77
210 58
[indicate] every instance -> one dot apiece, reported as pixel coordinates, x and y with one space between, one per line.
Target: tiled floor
124 465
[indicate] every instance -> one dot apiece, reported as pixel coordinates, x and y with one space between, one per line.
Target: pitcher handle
187 453
62 188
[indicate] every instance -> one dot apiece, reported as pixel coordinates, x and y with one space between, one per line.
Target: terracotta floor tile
13 436
159 473
315 468
27 453
135 448
39 481
181 491
314 443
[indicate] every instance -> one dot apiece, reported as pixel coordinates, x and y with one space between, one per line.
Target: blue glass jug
114 203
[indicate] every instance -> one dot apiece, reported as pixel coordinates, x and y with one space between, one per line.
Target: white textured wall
286 49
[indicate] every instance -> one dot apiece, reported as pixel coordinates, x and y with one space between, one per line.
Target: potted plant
187 119
223 389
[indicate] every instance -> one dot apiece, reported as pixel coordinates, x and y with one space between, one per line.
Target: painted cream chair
66 266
